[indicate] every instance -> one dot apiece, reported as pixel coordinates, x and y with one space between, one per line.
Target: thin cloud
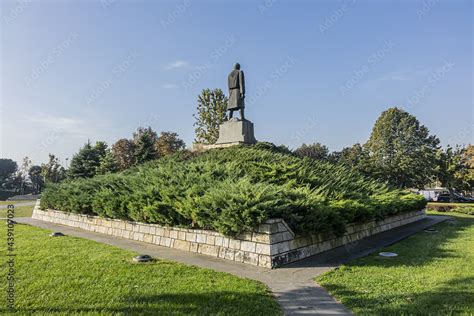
176 64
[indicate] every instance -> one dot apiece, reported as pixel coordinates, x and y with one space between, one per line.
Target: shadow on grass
452 297
211 303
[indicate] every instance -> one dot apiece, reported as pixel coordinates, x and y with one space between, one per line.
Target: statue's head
237 66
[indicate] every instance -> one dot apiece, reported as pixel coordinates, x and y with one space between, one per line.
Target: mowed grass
14 202
432 275
68 275
20 211
437 204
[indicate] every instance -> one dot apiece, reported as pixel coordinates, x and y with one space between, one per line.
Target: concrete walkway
292 285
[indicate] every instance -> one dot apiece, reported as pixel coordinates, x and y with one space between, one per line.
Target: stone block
262 238
248 246
201 238
264 261
148 238
219 241
245 236
263 249
174 234
182 235
182 245
210 240
236 131
250 258
264 228
194 247
191 237
234 244
225 242
239 256
226 253
209 250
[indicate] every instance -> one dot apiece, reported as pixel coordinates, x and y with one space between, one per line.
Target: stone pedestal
236 132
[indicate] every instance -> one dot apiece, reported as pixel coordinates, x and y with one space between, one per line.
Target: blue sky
316 71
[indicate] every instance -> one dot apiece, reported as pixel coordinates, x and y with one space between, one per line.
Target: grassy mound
233 190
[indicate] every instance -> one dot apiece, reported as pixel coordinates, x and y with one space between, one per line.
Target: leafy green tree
354 157
53 171
169 143
211 111
107 164
8 169
315 151
401 150
23 174
85 163
124 153
470 162
453 168
36 179
144 140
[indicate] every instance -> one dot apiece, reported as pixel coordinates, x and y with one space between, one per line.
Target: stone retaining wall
271 245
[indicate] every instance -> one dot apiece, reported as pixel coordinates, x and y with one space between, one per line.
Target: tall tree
107 163
23 173
144 140
85 163
453 168
354 157
211 111
315 151
36 179
124 153
53 171
470 162
169 143
8 169
401 150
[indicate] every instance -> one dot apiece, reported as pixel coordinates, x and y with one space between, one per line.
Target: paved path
292 285
18 204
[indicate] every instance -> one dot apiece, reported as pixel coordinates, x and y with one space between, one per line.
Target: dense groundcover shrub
233 190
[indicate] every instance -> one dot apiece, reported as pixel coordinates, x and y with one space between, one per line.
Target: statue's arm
242 83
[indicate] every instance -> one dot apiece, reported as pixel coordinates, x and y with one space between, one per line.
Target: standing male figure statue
236 83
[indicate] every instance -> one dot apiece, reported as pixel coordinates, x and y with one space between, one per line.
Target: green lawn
433 274
14 202
435 204
20 211
68 275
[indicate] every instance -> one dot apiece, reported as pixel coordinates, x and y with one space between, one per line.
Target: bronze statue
236 83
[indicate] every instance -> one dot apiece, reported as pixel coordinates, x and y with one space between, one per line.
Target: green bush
233 190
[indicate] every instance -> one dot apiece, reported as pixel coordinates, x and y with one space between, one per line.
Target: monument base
236 132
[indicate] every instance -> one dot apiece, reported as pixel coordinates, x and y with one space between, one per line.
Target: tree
354 157
23 174
401 151
123 152
144 140
37 180
470 162
315 151
169 143
53 171
211 112
107 163
453 168
8 169
85 163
